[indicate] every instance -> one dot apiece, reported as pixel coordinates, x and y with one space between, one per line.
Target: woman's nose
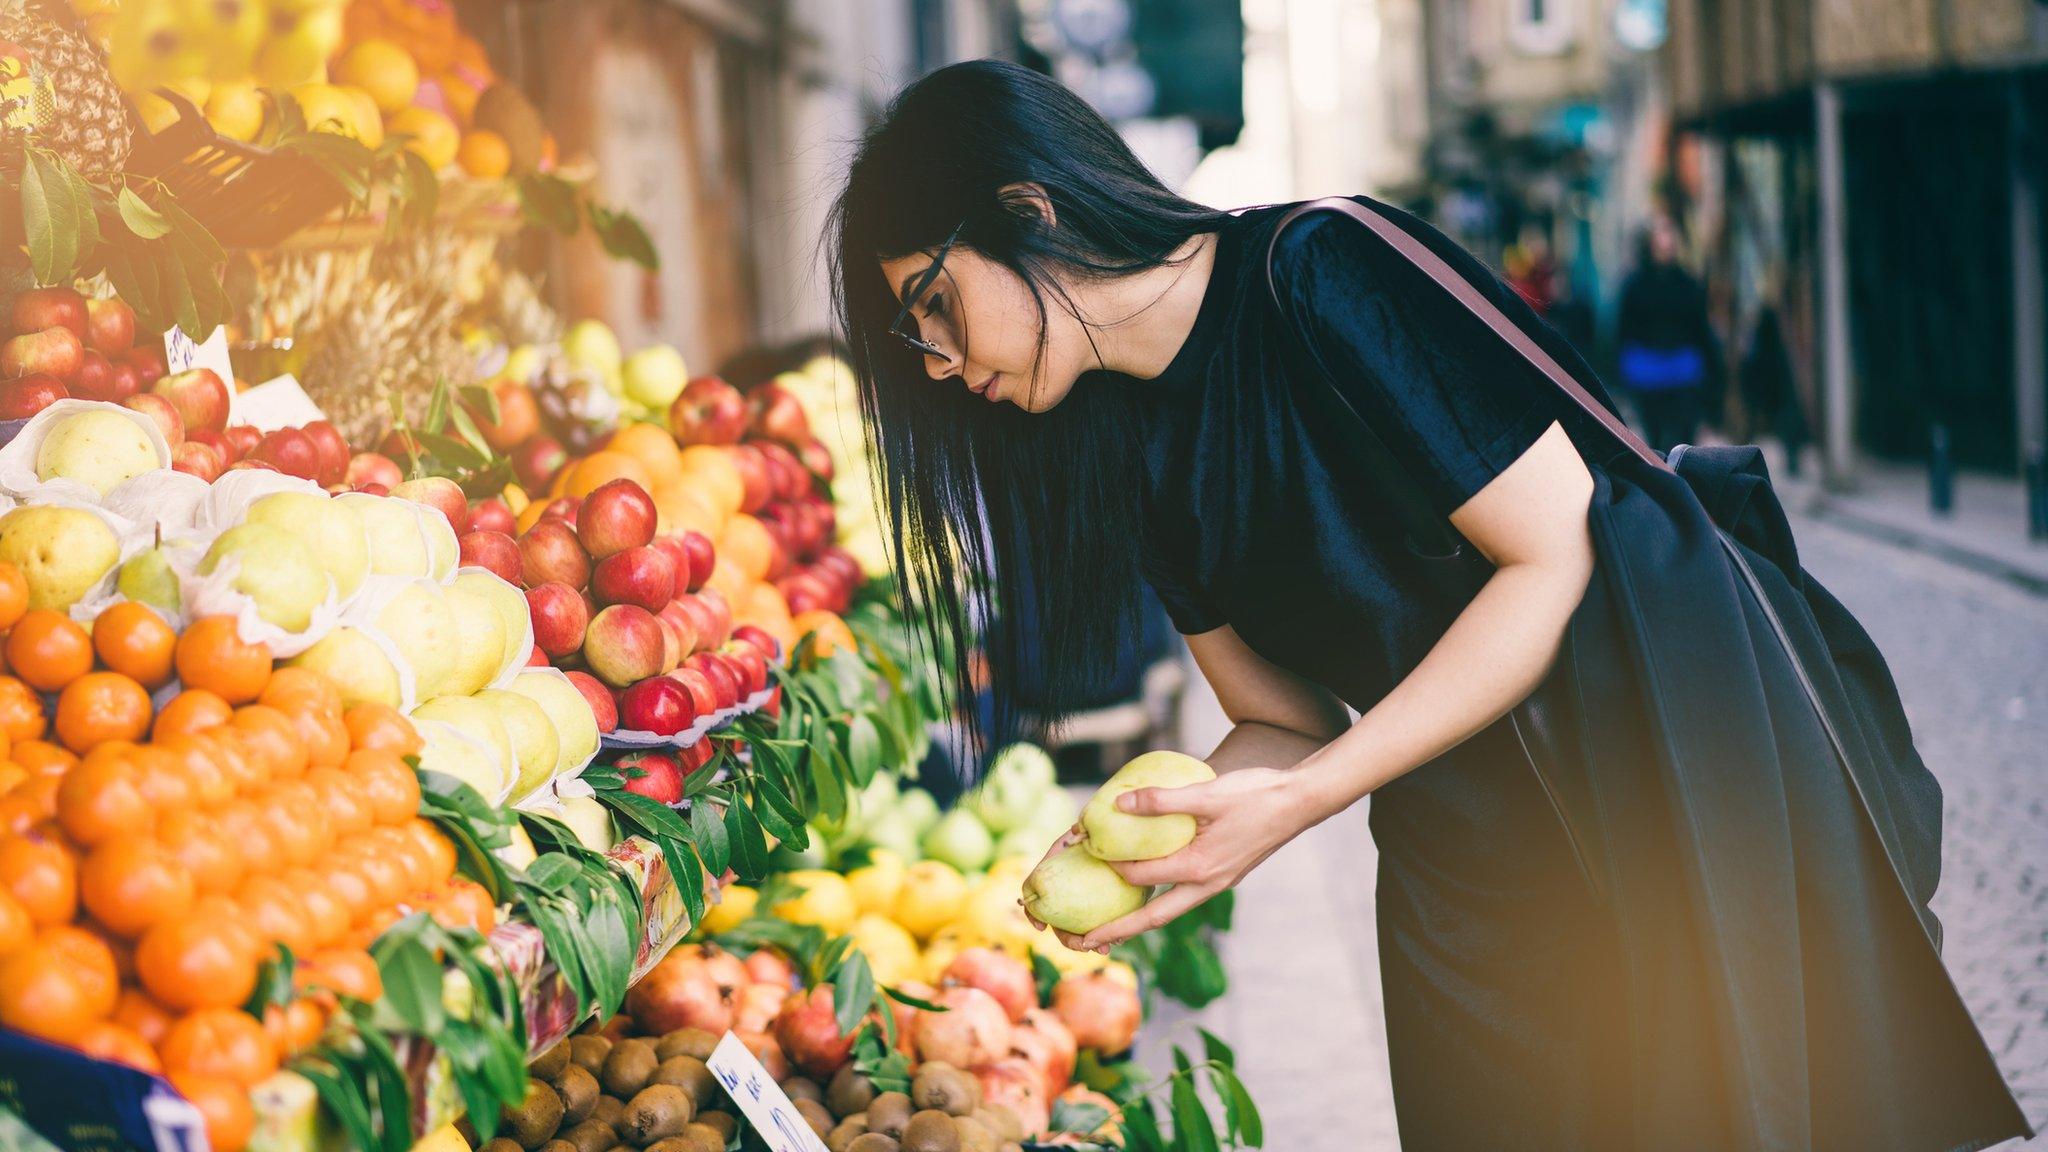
943 366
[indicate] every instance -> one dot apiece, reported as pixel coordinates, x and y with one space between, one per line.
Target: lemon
735 904
235 109
382 69
327 109
434 136
827 901
876 885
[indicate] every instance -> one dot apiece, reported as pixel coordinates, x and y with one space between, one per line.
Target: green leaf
1079 1117
707 829
853 992
1140 1129
548 201
658 819
1215 1050
779 814
346 1098
1192 1127
863 749
623 236
553 872
826 782
1244 1113
412 984
49 217
749 846
906 999
1046 975
689 877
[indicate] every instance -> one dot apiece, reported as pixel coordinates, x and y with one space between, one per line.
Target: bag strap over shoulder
1461 290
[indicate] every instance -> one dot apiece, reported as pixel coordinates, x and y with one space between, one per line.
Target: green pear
273 568
1117 835
917 809
519 853
510 604
575 725
422 627
592 344
1075 892
60 552
482 650
442 550
357 666
98 448
398 543
332 529
960 840
149 578
534 743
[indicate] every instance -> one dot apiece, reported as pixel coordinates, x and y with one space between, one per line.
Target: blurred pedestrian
1532 270
1669 355
1770 393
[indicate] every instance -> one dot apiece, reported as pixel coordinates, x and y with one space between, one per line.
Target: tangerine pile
152 861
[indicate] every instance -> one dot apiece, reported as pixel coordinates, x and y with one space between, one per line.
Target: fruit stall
425 722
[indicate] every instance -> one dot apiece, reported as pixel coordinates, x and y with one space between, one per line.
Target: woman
1061 361
1670 357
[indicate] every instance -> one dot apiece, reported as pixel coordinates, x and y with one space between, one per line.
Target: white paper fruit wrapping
18 467
448 750
228 498
406 539
161 501
214 594
347 653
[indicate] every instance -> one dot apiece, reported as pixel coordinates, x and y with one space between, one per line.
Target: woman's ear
1027 198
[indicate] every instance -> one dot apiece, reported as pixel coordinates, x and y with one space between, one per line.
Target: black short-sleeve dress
1497 972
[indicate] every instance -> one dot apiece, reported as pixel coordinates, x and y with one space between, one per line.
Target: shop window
1540 27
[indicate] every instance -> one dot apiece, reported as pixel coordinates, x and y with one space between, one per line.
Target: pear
518 854
61 552
332 529
148 578
443 749
1075 892
510 604
398 540
482 650
575 726
273 568
1112 834
98 448
423 628
356 665
534 741
588 819
477 720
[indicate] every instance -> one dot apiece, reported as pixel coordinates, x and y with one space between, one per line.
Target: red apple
494 552
615 516
753 665
563 508
441 494
291 452
703 621
559 618
709 411
600 699
776 413
372 468
816 458
769 647
703 694
725 686
200 396
536 462
51 351
333 452
242 440
158 409
493 515
110 326
785 471
549 553
96 379
721 616
756 486
644 576
685 626
196 459
672 650
693 758
702 558
658 705
804 592
655 775
24 397
518 416
41 308
623 645
148 362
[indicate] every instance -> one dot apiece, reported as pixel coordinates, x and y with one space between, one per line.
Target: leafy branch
448 441
551 202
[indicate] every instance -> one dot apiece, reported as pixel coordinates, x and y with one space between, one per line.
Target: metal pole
1838 385
1941 471
2030 342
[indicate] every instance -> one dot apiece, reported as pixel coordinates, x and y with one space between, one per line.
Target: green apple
510 605
98 448
356 664
918 809
535 745
960 840
892 832
446 749
654 376
592 344
482 650
589 820
1075 892
475 719
1112 834
421 625
398 543
1025 761
273 568
575 726
61 552
332 529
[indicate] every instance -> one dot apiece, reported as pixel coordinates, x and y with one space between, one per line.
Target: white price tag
761 1100
182 355
276 403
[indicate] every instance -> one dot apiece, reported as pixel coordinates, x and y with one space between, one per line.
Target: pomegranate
1041 1038
768 966
725 968
1013 1083
757 1005
1002 976
679 993
768 1051
906 1017
1101 1011
973 1031
809 1034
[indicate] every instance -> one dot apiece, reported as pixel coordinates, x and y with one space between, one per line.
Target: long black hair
1015 519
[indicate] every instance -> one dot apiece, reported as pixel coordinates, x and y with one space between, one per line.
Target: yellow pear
356 664
423 628
1075 892
534 742
877 883
1112 834
932 896
61 552
482 650
826 901
332 529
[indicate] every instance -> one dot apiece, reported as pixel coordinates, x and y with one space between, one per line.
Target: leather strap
1461 290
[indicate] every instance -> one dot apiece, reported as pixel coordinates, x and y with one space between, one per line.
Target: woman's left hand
1241 818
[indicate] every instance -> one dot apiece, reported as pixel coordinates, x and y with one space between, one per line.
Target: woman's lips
986 388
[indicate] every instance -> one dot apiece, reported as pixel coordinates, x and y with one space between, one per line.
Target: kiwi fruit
534 1121
690 1074
873 1142
708 1137
693 1138
505 110
590 1135
628 1069
1001 1121
609 1110
558 1145
838 1138
974 1135
579 1092
816 1116
930 1131
849 1092
686 1042
720 1122
889 1113
501 1144
943 1088
798 1088
588 1052
549 1064
663 1110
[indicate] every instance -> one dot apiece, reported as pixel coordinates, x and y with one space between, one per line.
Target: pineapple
86 124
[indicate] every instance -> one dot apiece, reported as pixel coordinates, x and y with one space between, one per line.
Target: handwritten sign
182 355
761 1099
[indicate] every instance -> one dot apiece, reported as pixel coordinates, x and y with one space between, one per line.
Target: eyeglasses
914 341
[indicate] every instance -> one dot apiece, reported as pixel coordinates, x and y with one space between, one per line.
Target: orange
199 961
370 927
680 508
295 1026
244 825
348 971
294 690
212 655
390 787
387 877
709 470
133 885
13 595
276 913
484 155
101 706
206 775
440 852
302 828
43 758
748 546
39 873
224 1042
21 710
196 841
230 751
832 633
193 710
91 959
381 68
466 903
18 814
341 796
130 638
271 739
395 844
16 929
109 1041
163 779
224 1105
602 467
348 886
326 916
143 1016
653 447
48 650
382 727
43 994
102 800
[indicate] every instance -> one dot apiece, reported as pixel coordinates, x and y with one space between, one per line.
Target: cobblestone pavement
1971 657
